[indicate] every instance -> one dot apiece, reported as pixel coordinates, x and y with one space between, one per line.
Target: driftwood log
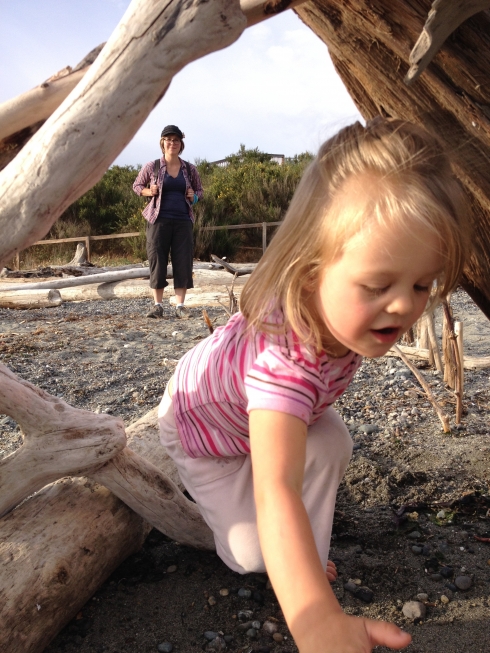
370 45
30 299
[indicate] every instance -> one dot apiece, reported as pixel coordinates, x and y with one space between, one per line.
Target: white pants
223 488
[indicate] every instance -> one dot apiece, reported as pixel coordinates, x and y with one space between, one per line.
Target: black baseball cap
172 129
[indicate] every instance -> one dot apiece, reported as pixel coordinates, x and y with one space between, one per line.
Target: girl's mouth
388 334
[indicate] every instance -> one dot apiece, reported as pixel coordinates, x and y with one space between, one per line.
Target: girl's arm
312 612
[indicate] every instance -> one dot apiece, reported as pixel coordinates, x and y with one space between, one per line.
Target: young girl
374 233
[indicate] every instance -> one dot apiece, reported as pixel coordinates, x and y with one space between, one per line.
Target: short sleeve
275 382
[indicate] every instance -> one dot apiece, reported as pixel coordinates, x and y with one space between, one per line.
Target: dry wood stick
458 331
442 416
433 342
457 372
208 321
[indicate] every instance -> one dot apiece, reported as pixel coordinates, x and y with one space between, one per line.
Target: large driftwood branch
76 145
30 299
59 440
71 282
444 17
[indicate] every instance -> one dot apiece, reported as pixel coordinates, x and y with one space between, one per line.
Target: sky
275 88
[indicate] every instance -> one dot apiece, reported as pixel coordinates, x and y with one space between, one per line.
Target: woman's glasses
172 140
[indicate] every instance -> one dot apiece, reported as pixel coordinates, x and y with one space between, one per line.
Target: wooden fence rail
88 239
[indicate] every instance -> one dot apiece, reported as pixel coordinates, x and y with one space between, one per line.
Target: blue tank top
173 204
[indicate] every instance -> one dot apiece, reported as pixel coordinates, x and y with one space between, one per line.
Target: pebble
350 587
218 644
256 625
171 569
165 647
422 597
245 615
224 592
417 550
441 514
414 610
436 577
463 583
365 594
277 637
369 428
446 572
414 535
270 627
212 600
210 635
245 625
444 599
251 633
244 593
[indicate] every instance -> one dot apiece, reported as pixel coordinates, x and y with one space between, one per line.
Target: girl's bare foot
331 571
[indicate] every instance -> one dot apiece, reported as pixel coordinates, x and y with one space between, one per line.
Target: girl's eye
422 288
375 292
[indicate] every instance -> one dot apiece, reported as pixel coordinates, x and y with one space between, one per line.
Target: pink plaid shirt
151 210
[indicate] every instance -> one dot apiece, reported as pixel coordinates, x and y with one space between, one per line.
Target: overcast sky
275 88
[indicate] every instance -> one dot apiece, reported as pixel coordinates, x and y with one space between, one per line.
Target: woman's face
171 144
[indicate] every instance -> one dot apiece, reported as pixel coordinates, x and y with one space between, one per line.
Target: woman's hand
153 190
190 195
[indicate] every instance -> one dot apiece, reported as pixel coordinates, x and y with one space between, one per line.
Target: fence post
17 261
264 237
87 247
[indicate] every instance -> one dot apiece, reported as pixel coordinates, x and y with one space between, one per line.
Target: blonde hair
411 185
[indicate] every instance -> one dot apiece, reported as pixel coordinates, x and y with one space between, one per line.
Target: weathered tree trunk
71 282
60 545
30 299
55 551
76 145
370 46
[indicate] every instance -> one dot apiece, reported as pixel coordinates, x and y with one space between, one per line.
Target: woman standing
173 186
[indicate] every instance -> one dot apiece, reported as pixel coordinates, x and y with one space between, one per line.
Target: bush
250 188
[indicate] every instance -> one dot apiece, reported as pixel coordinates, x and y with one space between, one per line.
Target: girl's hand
347 634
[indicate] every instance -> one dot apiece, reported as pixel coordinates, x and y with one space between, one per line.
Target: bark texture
370 44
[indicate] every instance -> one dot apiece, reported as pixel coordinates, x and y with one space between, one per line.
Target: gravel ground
410 510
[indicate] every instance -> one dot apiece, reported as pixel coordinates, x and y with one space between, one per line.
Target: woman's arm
142 180
313 614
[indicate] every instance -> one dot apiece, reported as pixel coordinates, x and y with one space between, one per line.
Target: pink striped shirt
234 371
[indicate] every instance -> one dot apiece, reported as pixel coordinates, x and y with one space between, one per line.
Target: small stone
277 637
350 587
210 635
426 550
444 599
256 625
369 428
245 625
446 572
417 550
463 583
414 535
451 587
218 644
422 597
243 593
245 615
251 633
365 594
436 577
171 569
212 600
165 647
441 514
228 638
414 610
270 627
224 592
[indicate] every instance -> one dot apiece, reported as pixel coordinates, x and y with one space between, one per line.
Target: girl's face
377 289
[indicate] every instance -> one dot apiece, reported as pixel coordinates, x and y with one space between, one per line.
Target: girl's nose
401 304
